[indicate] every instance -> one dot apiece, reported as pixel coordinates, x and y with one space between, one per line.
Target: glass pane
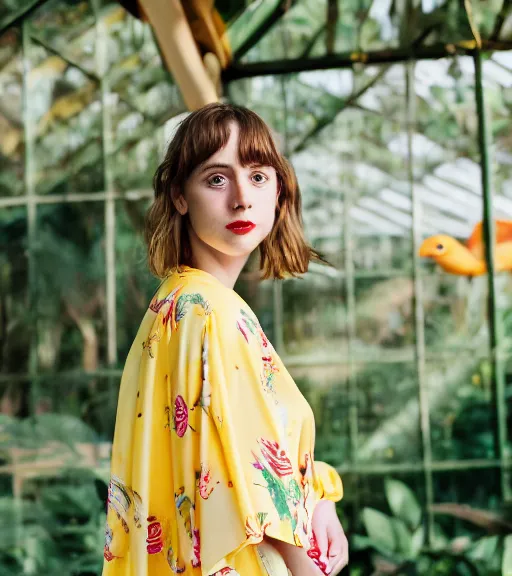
10 9
475 488
318 27
12 143
18 321
384 317
297 107
292 36
67 28
138 149
455 310
462 420
446 162
370 491
376 528
388 413
6 486
314 316
376 172
71 286
461 497
143 97
325 388
67 118
67 503
14 400
134 283
264 95
14 409
84 403
508 400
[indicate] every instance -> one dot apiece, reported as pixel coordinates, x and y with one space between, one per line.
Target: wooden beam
180 51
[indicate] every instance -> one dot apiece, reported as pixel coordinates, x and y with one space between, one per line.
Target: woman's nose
241 197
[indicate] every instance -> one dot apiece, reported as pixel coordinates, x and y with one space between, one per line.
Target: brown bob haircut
284 252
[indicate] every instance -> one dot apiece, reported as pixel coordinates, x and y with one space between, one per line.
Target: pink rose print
157 305
196 541
168 315
226 572
107 554
276 458
244 333
180 416
205 482
154 539
314 554
264 341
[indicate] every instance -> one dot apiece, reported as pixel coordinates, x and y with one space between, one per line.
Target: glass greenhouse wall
408 369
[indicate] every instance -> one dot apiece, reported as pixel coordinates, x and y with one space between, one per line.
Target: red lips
241 226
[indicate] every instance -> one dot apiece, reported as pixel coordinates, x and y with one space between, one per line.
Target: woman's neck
225 268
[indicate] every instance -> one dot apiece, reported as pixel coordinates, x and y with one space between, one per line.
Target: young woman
212 464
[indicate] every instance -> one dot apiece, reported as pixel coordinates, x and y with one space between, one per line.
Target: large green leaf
380 530
506 567
439 540
403 503
418 540
403 538
484 549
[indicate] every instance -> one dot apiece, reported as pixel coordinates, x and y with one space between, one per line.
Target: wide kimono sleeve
330 484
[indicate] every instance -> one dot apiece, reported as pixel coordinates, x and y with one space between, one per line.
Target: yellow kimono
213 445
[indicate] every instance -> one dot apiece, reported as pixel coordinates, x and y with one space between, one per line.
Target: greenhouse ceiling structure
396 115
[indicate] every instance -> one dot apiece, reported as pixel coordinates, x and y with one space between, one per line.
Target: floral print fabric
214 443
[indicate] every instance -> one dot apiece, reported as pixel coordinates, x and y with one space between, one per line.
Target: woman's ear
181 204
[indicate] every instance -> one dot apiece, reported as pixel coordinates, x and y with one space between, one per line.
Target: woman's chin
241 245
240 251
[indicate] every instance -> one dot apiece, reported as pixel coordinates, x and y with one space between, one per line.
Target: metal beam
348 59
262 24
18 17
498 401
419 312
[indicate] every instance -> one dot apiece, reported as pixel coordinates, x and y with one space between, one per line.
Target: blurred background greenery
408 369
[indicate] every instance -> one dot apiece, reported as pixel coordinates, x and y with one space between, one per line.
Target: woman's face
231 207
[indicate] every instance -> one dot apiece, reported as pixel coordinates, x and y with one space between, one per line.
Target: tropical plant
55 524
396 543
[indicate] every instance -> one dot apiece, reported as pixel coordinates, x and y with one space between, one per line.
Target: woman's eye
216 180
259 178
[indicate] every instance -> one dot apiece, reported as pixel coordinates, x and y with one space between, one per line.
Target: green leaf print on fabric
276 469
185 299
294 490
247 324
261 517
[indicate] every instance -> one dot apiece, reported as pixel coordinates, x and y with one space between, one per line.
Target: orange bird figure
469 259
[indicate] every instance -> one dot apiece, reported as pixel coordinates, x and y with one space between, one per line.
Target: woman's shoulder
189 287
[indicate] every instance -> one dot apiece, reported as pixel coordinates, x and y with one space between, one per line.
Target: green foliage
56 526
398 545
506 567
403 503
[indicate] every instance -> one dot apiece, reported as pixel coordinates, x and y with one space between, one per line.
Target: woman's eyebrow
216 165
